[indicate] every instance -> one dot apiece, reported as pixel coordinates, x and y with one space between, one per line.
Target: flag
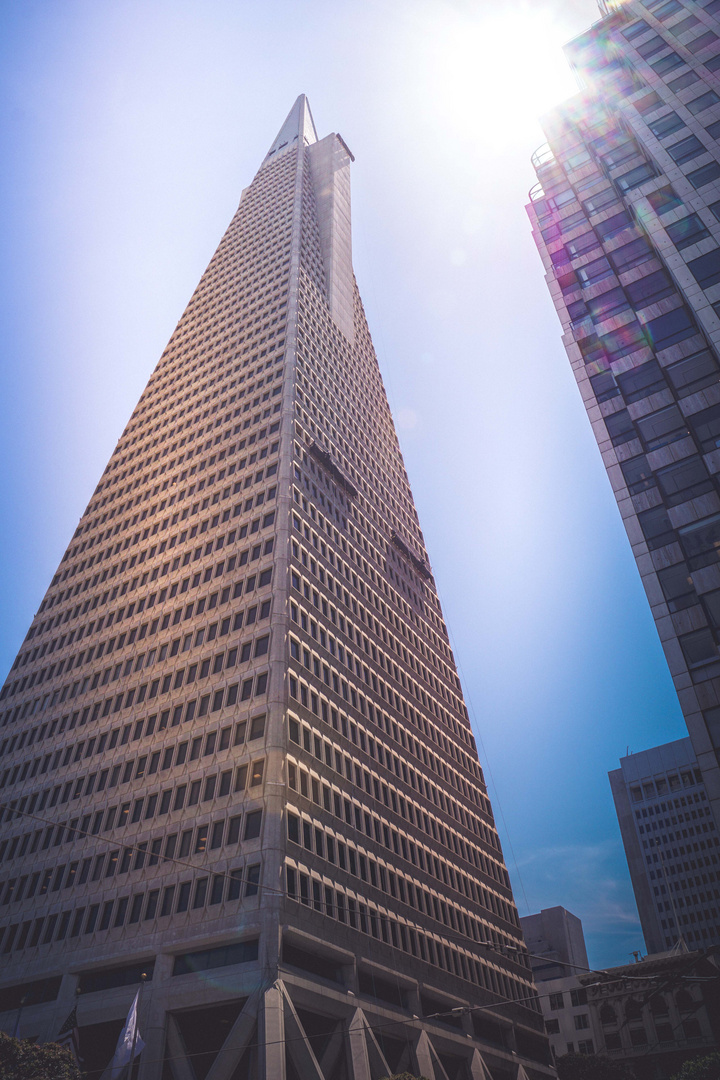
69 1036
129 1044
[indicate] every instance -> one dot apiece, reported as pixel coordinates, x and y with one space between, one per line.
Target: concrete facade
626 217
234 753
555 942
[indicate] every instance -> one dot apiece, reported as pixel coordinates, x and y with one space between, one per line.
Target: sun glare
495 73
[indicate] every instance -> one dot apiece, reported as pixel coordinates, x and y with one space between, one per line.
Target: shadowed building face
626 216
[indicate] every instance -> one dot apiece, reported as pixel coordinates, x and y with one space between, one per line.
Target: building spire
299 124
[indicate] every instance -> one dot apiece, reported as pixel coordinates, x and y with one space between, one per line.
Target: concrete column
271 1036
151 1019
359 1061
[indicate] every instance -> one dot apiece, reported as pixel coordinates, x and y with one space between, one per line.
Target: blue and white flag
129 1045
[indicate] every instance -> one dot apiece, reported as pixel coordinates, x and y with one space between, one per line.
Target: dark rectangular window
234 829
662 427
604 386
601 201
706 427
607 304
703 41
581 245
693 373
704 175
699 104
613 225
631 255
667 10
650 289
253 821
666 64
664 200
638 474
665 125
687 79
635 29
653 45
244 952
648 103
668 329
688 230
686 149
594 271
656 527
620 427
677 587
701 542
641 382
577 311
706 269
627 339
698 648
683 480
637 176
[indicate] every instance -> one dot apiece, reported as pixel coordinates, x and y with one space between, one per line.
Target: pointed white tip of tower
299 127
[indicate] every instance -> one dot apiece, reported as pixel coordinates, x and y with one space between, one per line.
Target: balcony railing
542 156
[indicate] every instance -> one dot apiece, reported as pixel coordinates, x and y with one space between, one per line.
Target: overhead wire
452 935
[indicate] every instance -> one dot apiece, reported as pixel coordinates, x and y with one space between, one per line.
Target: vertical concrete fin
478 1068
378 1064
271 1033
236 1042
423 1056
330 170
298 1044
179 1061
358 1056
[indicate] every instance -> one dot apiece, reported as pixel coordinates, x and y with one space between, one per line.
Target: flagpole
143 977
17 1018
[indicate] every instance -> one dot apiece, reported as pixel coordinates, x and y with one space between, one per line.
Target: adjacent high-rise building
556 943
234 754
626 216
664 816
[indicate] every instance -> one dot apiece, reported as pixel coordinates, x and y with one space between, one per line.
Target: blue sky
128 132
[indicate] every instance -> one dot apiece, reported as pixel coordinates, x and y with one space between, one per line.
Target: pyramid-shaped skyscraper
235 756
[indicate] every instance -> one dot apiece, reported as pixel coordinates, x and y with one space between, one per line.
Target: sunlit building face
626 216
235 755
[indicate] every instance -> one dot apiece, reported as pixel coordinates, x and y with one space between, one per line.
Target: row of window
130 563
357 633
353 771
385 927
133 769
120 861
165 593
125 911
331 848
165 503
225 472
225 697
455 808
144 660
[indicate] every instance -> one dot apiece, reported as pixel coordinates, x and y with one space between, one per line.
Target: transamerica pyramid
235 756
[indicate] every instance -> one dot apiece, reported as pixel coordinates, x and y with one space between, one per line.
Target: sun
489 75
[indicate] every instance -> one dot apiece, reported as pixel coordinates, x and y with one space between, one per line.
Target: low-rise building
652 1015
